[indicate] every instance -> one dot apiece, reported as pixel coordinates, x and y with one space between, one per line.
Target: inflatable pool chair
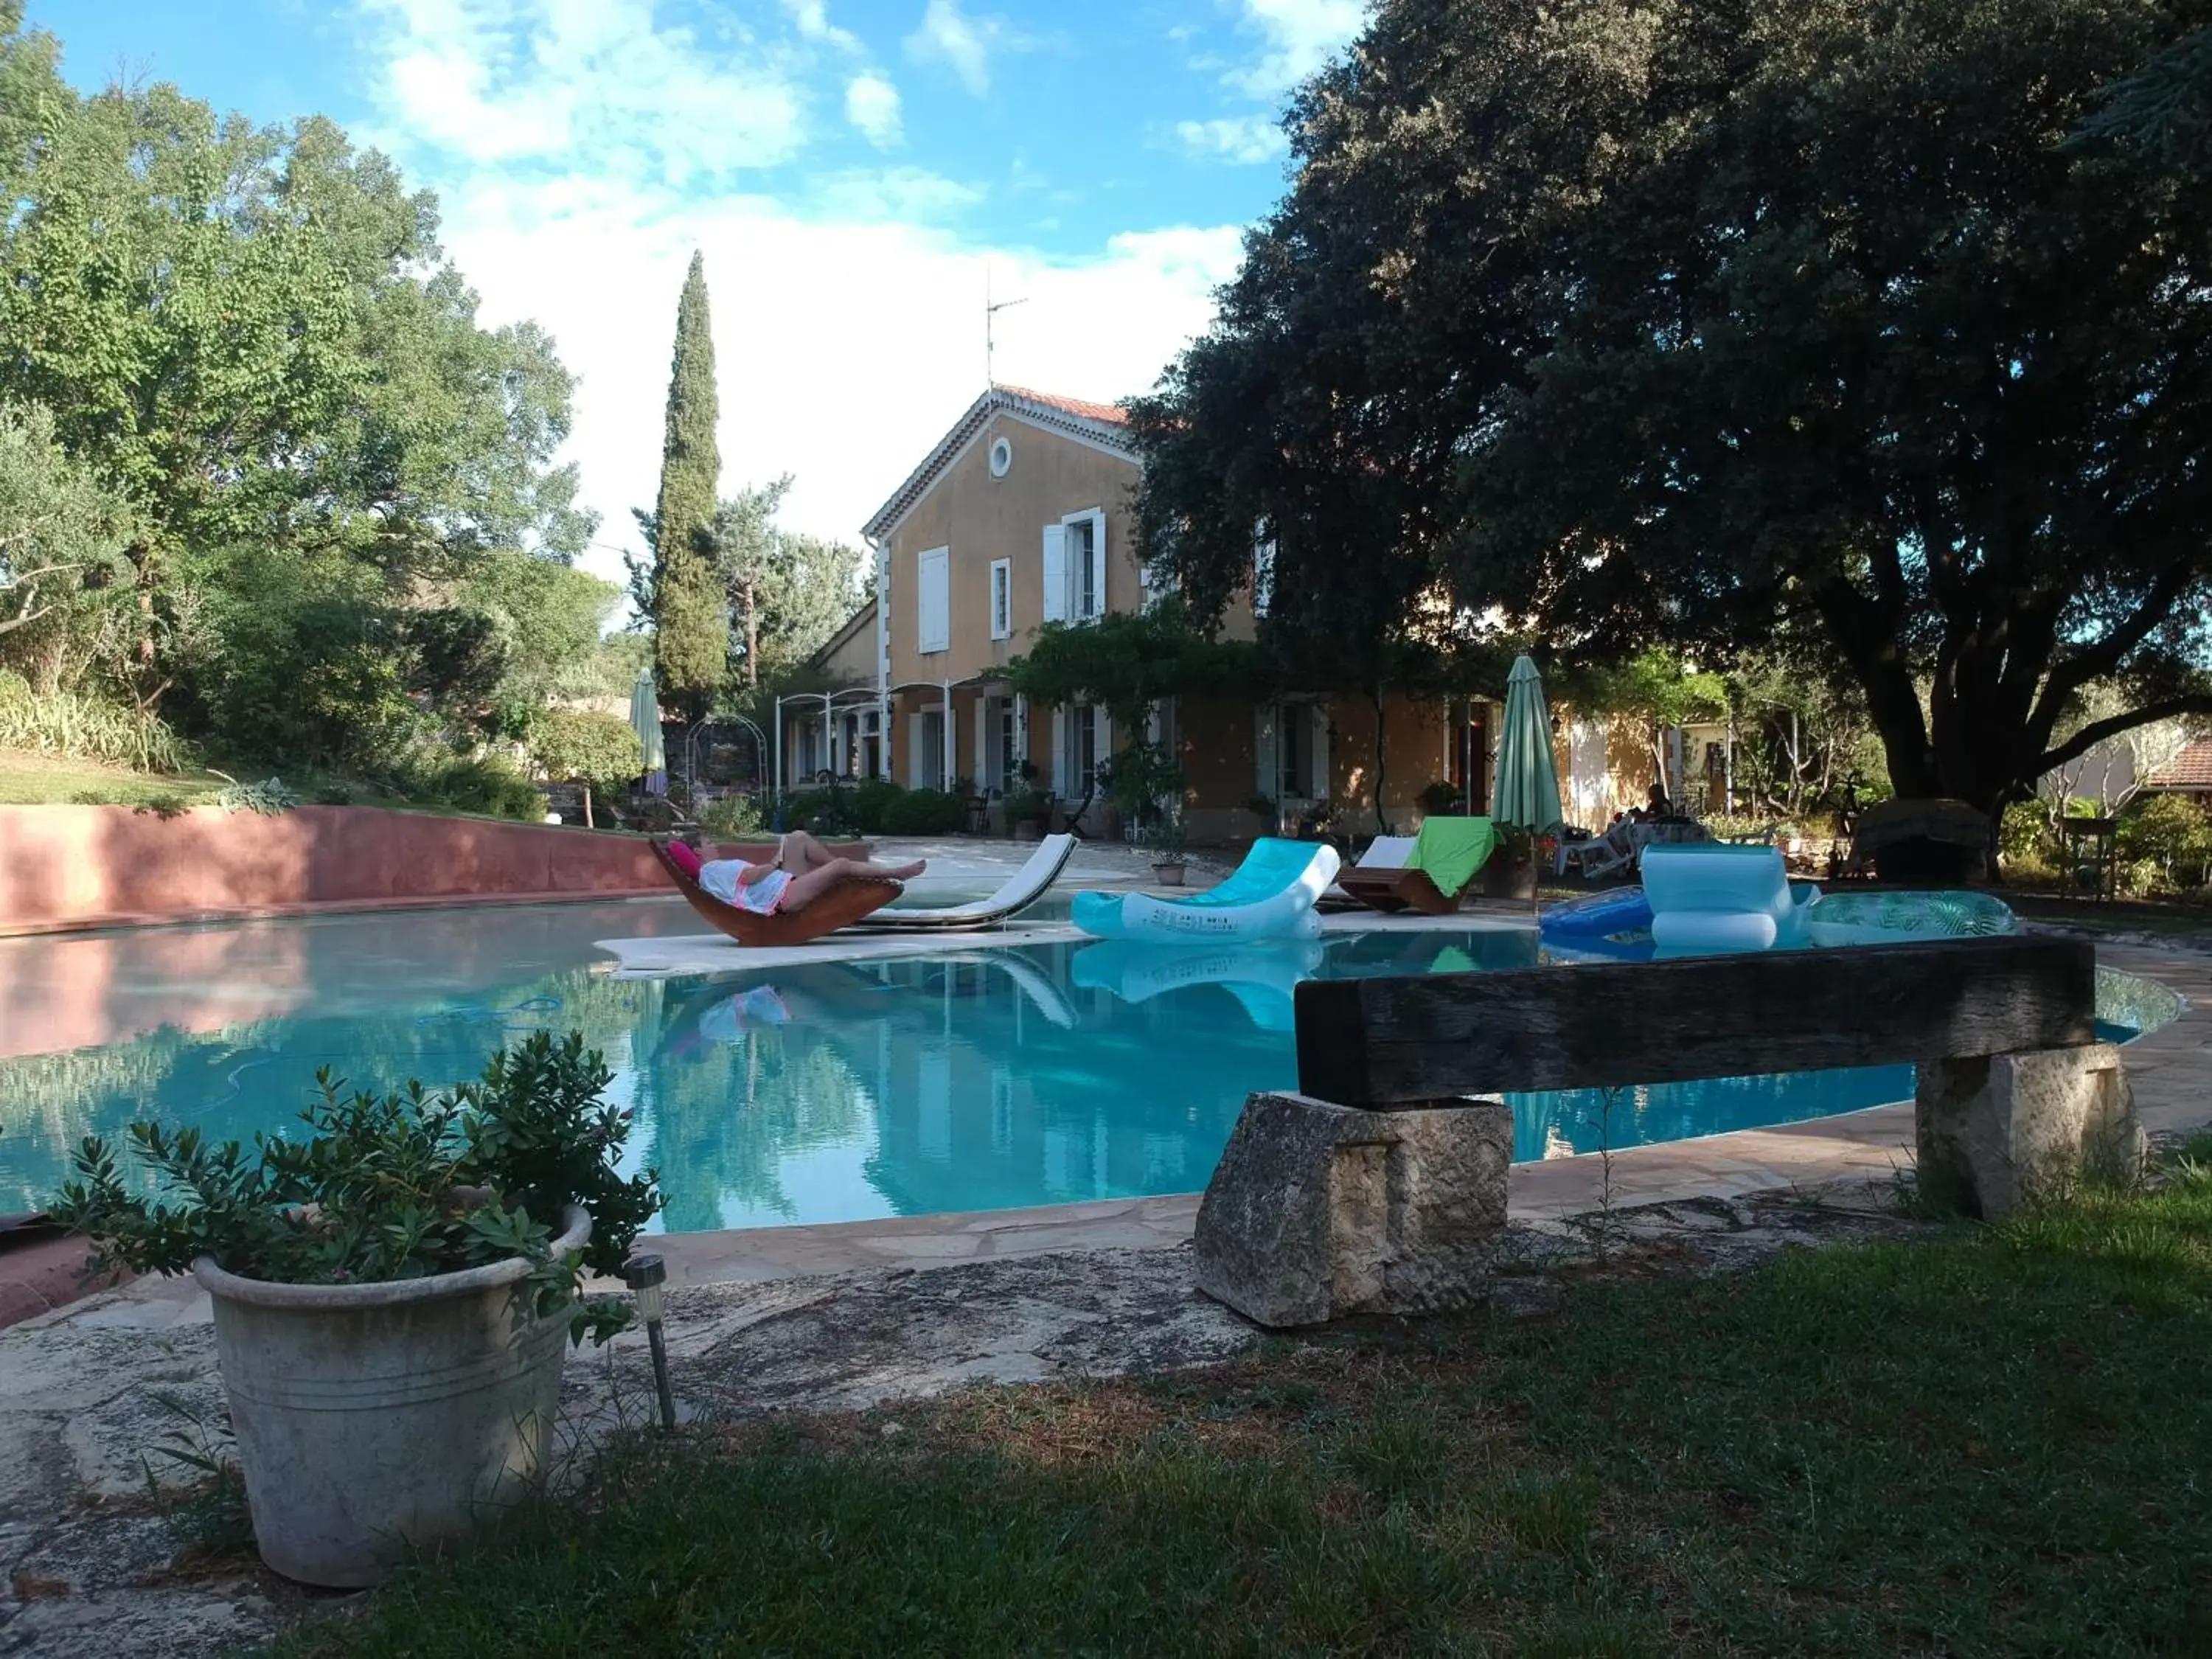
1710 896
1272 895
1261 976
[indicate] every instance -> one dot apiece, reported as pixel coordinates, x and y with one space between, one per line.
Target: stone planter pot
1029 830
1508 877
1167 873
376 1422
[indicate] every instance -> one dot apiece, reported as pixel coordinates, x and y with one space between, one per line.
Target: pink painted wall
82 866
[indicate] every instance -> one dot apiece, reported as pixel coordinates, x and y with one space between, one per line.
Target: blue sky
852 169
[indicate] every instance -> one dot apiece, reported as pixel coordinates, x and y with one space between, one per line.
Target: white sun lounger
1383 853
1019 891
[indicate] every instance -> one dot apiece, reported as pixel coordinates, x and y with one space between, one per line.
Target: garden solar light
644 1274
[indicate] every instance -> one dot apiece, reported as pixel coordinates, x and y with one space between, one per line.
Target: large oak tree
1644 319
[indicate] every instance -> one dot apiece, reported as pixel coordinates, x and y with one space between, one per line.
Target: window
933 602
1081 571
1002 599
1002 458
1294 748
1086 749
1263 569
1009 744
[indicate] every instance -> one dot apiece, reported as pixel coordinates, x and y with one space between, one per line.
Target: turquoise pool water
971 1079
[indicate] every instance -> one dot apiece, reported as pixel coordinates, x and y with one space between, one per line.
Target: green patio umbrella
645 720
1528 796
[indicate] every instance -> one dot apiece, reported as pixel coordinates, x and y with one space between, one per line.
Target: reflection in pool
966 1079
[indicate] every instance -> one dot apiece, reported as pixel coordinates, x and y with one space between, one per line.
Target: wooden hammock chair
840 907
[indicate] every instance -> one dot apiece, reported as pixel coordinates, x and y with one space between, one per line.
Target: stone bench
1380 1186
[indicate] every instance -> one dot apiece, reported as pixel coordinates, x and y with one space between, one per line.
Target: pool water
969 1080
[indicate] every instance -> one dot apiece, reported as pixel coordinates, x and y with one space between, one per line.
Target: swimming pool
966 1079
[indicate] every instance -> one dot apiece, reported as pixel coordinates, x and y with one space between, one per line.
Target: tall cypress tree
691 621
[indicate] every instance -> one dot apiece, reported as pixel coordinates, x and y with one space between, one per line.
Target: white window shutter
1103 727
1063 750
1020 726
933 603
1055 572
1267 780
1098 564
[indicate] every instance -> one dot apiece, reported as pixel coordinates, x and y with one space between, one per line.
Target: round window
1002 457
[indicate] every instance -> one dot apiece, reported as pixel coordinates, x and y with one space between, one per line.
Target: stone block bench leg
1318 1211
2003 1130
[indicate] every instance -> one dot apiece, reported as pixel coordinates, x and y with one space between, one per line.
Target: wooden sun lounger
1392 891
842 905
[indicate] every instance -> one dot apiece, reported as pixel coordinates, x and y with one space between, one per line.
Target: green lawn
30 779
1991 1442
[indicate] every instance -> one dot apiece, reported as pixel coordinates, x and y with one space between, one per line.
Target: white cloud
812 17
844 347
495 81
1300 36
563 138
871 104
1244 138
963 44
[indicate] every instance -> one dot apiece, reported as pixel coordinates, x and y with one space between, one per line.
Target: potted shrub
1164 837
393 1294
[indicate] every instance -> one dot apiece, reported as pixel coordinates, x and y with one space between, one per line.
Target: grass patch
32 780
1993 1440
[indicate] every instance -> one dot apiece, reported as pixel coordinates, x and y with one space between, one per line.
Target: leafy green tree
1645 320
253 333
587 748
63 532
1656 690
691 615
788 592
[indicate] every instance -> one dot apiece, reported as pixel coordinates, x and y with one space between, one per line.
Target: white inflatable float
1709 897
1271 896
1263 977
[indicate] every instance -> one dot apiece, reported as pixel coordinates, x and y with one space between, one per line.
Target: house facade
835 729
1020 515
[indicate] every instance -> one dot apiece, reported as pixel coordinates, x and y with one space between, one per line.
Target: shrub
873 803
2171 833
83 727
925 812
391 1189
486 785
732 818
1437 801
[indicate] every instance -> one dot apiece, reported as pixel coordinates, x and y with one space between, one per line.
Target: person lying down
802 870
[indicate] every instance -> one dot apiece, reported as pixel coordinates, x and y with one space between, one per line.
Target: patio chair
842 905
1383 853
1016 894
1437 876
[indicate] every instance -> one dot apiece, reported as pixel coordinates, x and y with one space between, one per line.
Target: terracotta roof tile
2189 769
1090 411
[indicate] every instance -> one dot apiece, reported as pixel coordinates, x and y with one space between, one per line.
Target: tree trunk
752 638
1381 823
588 824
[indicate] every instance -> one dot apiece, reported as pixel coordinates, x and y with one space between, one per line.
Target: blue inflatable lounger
1705 897
1271 896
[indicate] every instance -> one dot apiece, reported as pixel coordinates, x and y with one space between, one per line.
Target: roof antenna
990 316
